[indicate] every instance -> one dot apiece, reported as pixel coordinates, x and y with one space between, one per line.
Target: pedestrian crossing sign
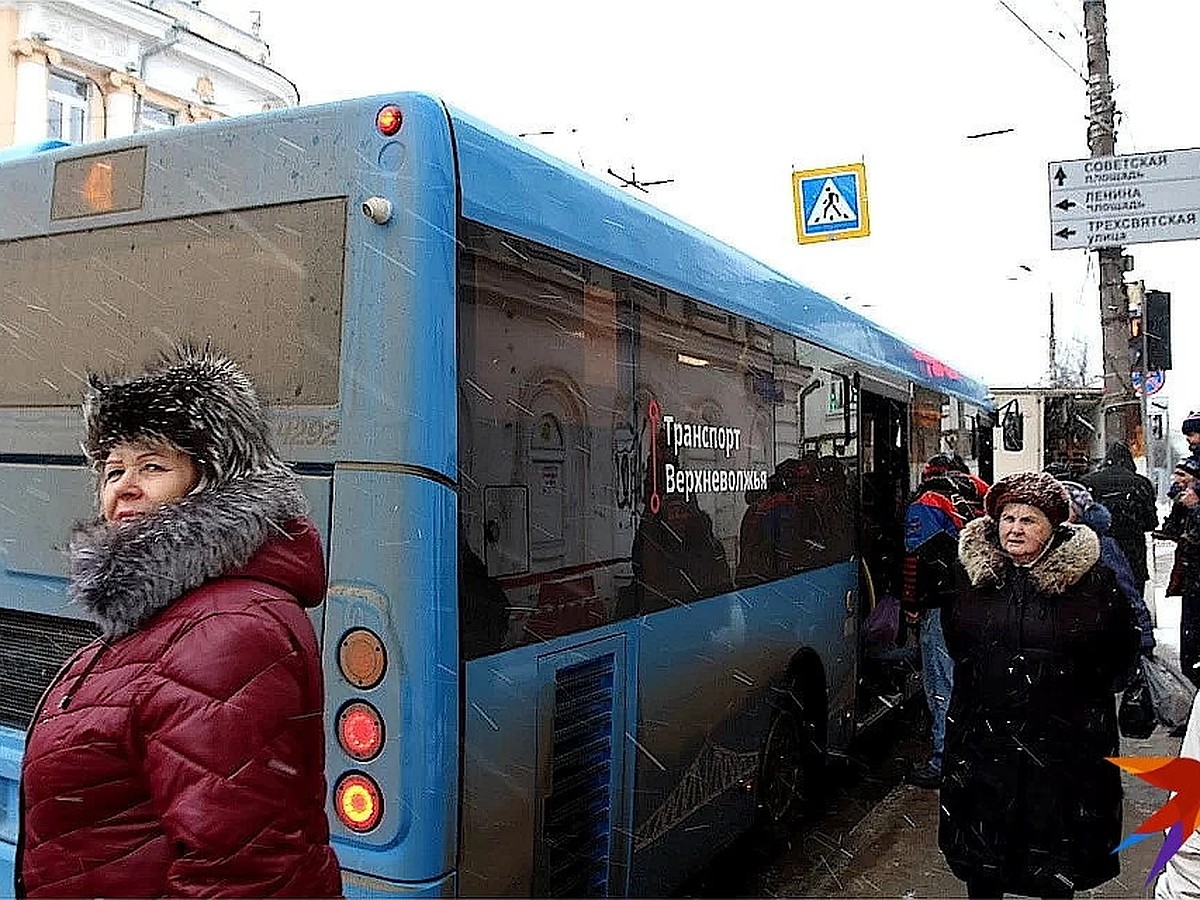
831 203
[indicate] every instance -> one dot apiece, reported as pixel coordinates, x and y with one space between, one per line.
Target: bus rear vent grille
32 649
578 812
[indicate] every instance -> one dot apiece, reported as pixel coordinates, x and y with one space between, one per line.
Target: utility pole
1054 373
1119 403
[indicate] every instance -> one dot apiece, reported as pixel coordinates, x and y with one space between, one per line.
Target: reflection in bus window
676 555
626 449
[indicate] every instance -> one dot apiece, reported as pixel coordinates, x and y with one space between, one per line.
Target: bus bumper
355 884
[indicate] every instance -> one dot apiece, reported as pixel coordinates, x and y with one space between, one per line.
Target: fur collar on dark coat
125 574
1074 549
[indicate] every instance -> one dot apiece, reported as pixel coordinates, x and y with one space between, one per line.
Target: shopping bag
883 626
1170 691
1136 716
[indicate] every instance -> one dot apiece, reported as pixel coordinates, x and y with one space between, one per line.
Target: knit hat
1190 465
1080 496
1059 470
1035 488
1191 424
197 400
941 463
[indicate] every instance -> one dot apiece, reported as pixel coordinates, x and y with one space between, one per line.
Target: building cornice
257 76
32 48
147 26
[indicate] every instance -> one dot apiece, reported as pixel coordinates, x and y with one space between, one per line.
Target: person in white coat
1180 880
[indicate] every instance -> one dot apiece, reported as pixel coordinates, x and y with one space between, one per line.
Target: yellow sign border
864 223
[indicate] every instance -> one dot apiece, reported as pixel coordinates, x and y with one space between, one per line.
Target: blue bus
606 502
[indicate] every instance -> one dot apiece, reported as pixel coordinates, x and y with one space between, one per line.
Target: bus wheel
791 763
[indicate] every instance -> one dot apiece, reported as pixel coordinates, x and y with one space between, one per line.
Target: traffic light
1135 343
1156 317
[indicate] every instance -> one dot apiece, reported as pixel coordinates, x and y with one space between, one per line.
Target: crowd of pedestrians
1029 596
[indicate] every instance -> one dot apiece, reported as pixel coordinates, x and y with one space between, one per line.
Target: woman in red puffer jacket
182 753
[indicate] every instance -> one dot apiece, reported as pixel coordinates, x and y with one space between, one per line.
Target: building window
837 396
66 108
155 118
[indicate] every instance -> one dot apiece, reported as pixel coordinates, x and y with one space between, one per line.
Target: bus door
883 675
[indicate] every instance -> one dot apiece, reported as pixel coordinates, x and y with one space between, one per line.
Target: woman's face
1024 531
140 477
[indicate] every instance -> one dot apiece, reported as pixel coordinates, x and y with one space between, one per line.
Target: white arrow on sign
1131 168
1116 231
1081 204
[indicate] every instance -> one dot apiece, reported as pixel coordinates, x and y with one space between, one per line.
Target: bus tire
790 770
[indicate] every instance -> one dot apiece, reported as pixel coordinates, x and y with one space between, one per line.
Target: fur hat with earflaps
202 403
193 398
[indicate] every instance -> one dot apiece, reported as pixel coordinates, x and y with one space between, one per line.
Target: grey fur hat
196 399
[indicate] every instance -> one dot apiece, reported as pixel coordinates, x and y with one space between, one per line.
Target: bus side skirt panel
548 762
706 694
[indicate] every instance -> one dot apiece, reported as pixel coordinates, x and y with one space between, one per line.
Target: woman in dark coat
182 753
1041 638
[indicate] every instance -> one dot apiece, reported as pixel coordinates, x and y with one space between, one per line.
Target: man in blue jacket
945 500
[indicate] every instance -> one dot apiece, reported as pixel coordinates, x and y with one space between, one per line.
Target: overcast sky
728 99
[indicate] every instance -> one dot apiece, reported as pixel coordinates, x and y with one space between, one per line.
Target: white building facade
82 70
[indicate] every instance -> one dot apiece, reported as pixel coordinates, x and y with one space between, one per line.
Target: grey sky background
728 99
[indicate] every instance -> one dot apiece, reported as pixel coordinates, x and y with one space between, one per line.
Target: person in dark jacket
1041 638
1085 510
945 501
1182 525
189 738
1130 498
1191 433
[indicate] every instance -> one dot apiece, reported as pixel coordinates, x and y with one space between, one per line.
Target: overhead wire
1079 29
1043 41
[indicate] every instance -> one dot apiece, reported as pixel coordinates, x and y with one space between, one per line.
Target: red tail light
388 120
358 802
360 730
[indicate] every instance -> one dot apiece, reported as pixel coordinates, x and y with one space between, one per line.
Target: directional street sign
831 203
1111 201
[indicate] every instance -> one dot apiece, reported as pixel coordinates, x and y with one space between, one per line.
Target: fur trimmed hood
1074 549
123 574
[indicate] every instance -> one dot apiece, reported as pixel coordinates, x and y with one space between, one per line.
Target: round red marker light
358 802
388 120
360 731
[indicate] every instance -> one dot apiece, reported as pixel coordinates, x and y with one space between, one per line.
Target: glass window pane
54 117
60 84
155 117
76 125
264 283
71 87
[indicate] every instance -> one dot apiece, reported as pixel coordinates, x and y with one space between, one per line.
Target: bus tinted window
624 449
265 284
